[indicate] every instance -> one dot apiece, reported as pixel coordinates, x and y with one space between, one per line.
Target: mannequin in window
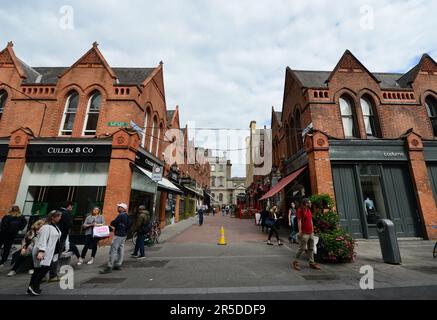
370 210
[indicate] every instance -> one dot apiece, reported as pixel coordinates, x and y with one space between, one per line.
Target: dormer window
92 116
70 111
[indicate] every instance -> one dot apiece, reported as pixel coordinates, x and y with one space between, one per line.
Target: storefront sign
68 153
157 173
118 124
362 151
186 181
142 161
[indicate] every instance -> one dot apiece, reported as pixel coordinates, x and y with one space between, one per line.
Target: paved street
190 265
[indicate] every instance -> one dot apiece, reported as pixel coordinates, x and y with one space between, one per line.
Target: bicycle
152 237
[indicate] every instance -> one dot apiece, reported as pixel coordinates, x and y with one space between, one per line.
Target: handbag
270 222
101 232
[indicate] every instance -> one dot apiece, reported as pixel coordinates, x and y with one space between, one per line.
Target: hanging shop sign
157 173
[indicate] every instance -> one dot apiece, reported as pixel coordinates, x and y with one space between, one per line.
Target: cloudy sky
224 60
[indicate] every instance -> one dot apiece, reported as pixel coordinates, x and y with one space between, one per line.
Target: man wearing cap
121 226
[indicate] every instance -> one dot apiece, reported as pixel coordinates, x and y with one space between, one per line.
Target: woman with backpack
11 224
25 253
142 226
273 223
95 219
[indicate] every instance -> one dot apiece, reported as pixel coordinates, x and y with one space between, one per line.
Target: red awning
283 183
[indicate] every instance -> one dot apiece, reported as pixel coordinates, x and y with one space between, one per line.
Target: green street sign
118 124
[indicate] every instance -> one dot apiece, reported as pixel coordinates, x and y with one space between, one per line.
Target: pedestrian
46 251
25 252
11 224
201 213
223 210
273 224
292 222
121 226
264 216
305 235
95 219
142 227
227 210
64 226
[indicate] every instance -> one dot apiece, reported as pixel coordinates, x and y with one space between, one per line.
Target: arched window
370 122
152 134
143 140
298 131
158 140
3 98
348 118
92 116
221 197
431 107
70 111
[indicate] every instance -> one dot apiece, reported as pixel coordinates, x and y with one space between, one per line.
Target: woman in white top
45 251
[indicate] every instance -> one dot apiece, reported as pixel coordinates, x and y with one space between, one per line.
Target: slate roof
317 79
49 75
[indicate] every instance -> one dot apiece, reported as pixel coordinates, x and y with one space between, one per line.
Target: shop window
373 197
3 97
348 118
370 122
70 111
431 108
92 116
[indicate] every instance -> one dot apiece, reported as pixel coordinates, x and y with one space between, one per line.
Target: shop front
372 181
59 172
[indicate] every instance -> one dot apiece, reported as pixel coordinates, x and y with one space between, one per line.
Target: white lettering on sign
85 150
394 154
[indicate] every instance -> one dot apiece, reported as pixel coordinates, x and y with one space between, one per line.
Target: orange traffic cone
222 241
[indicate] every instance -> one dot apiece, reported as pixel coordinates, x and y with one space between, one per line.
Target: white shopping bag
101 232
316 241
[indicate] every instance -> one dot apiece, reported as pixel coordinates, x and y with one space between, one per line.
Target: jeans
274 230
200 219
116 253
293 233
37 277
6 242
306 243
139 244
90 243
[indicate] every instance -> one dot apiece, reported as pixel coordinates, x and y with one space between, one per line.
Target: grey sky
224 60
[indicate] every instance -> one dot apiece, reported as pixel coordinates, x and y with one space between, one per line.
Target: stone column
422 184
13 169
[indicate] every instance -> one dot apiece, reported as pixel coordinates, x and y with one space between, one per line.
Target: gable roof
170 114
407 79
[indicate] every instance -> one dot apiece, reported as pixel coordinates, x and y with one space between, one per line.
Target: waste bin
388 241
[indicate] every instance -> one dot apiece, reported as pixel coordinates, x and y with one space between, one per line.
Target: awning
194 191
164 184
283 183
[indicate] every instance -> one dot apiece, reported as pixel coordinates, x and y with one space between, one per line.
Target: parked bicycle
152 237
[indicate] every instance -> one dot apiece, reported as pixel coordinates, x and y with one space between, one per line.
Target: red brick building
68 133
368 139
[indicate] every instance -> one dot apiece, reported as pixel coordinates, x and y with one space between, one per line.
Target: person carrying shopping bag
95 219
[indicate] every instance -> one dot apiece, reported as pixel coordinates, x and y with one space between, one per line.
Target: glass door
374 206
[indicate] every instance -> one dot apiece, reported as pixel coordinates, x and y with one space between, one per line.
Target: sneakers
30 271
11 273
296 266
135 256
106 270
141 257
80 262
91 261
269 243
116 268
33 292
315 267
280 244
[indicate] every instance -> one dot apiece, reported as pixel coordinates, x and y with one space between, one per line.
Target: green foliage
335 244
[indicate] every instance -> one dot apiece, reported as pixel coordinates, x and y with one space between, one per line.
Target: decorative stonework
320 142
415 143
121 140
18 139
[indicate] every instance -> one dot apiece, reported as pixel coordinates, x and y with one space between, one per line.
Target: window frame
371 116
432 109
352 117
3 100
87 114
62 131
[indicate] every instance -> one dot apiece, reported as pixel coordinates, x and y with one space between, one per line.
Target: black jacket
65 224
10 226
121 224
